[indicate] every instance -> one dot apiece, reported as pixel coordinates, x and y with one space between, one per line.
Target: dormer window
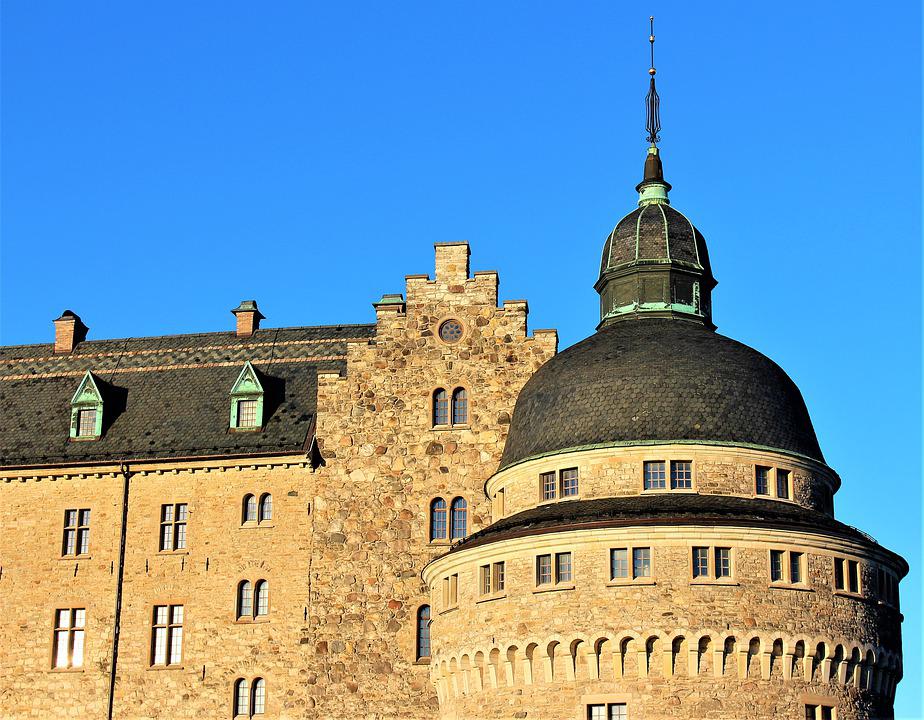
247 400
87 410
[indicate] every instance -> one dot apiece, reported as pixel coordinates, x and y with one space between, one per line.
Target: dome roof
655 233
659 380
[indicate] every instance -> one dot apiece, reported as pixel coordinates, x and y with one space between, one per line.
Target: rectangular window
655 475
454 589
173 526
839 574
827 713
722 562
485 579
641 563
563 567
819 712
610 711
762 480
700 562
782 484
776 566
76 532
167 635
246 413
619 563
544 570
853 576
445 592
681 475
498 577
569 482
70 626
795 567
547 481
86 422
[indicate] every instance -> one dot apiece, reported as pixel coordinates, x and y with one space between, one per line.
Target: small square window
681 475
549 487
655 475
641 562
86 422
762 480
246 413
619 563
569 482
782 484
563 567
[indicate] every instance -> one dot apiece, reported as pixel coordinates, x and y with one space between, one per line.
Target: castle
436 515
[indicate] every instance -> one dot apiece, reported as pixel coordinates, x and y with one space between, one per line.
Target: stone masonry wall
383 464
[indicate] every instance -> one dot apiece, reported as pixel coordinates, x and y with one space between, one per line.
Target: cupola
655 262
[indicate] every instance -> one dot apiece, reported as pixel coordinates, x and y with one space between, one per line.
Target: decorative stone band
626 656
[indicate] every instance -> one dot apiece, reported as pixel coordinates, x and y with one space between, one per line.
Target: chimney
248 318
69 330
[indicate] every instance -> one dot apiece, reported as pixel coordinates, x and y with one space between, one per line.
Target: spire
653 188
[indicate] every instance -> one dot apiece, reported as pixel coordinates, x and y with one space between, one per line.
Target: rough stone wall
613 472
220 552
538 651
383 463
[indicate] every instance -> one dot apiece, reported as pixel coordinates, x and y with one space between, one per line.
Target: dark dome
654 379
655 233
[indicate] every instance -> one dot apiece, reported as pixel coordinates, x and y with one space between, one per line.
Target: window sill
161 668
727 583
552 501
489 598
252 621
166 553
422 661
253 525
848 594
74 558
444 428
439 543
629 583
448 610
790 586
67 670
669 491
553 588
245 429
86 438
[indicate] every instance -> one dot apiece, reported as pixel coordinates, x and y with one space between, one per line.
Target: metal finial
652 101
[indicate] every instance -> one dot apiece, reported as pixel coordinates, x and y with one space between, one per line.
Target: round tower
663 542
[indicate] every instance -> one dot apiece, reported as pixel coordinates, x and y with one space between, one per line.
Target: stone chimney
69 330
248 318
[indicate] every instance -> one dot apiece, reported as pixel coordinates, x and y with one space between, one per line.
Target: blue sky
162 161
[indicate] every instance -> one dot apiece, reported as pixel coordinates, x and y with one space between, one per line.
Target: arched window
261 595
258 700
241 697
249 509
244 600
423 632
459 407
437 519
266 507
440 407
459 519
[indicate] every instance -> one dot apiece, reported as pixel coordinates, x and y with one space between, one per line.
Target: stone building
436 516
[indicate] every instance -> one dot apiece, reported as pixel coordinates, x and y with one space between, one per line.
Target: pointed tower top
653 188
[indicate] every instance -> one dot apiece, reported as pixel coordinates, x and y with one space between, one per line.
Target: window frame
672 479
784 475
438 517
458 506
787 556
264 516
850 570
711 576
174 524
662 480
766 480
71 631
631 578
459 397
170 628
81 533
422 630
556 559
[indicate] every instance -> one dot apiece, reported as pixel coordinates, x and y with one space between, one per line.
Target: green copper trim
653 193
87 397
247 387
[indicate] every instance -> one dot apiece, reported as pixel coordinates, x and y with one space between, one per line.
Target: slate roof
166 397
657 380
655 232
659 510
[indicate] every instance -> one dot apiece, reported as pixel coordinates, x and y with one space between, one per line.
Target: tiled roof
658 380
166 397
663 509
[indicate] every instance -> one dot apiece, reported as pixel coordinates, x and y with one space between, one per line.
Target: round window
451 331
